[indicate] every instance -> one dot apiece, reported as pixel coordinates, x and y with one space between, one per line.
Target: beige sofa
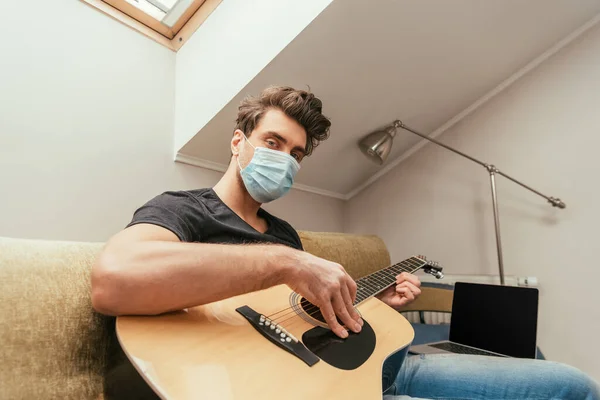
54 346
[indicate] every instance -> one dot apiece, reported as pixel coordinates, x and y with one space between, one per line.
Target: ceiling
375 61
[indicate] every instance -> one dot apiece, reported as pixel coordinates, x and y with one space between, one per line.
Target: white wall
544 130
230 49
86 127
309 211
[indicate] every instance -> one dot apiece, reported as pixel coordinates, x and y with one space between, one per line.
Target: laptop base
448 347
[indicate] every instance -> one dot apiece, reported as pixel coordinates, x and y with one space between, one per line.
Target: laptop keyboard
457 348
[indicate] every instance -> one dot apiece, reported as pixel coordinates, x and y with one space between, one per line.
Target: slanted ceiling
424 62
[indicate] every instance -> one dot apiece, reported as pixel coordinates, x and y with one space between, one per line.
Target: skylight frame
171 37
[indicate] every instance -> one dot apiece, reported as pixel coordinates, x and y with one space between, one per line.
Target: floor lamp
377 146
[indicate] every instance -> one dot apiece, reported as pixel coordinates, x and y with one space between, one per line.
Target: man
187 248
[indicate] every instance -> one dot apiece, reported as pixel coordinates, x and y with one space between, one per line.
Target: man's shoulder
183 212
181 203
275 219
177 196
284 226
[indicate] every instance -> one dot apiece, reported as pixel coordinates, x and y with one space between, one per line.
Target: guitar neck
375 283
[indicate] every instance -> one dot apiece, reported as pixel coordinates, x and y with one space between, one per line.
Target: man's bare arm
146 270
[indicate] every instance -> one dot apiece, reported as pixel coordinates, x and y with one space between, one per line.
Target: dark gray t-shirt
194 216
201 216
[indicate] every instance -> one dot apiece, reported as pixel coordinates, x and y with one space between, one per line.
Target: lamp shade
377 145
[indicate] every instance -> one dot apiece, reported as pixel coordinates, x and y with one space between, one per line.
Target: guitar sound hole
312 310
315 312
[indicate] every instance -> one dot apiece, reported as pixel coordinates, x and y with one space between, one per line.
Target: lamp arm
556 202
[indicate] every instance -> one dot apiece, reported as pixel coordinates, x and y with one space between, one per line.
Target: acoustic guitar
272 344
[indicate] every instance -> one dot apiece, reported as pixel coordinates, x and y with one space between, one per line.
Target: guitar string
312 310
369 285
398 265
313 314
317 309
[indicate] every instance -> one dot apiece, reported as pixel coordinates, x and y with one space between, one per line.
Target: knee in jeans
574 383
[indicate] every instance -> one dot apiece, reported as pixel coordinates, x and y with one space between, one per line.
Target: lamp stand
492 170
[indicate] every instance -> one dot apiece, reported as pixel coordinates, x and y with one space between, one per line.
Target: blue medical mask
270 174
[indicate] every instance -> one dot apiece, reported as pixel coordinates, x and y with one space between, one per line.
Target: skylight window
169 22
167 12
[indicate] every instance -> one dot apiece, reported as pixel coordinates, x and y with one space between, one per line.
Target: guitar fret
379 279
370 284
398 268
387 273
360 298
367 283
376 282
368 288
380 276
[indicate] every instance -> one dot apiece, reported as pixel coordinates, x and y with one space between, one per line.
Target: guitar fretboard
378 281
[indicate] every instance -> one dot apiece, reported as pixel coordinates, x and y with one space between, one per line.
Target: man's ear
236 141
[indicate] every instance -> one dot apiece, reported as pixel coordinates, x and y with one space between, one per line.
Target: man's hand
406 290
327 285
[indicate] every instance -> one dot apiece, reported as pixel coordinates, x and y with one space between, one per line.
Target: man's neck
232 192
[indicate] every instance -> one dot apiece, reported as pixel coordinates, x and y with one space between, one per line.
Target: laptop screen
502 319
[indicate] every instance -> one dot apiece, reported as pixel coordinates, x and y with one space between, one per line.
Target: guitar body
214 352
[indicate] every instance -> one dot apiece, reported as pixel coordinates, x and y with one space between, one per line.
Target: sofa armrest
434 297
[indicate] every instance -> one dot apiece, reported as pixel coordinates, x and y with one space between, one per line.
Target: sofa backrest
55 346
358 254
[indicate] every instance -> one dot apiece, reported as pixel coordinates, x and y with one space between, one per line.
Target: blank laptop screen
502 319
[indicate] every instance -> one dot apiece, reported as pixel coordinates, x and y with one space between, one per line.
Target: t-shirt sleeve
298 241
176 211
293 235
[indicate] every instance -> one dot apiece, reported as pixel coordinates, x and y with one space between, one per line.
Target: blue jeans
449 376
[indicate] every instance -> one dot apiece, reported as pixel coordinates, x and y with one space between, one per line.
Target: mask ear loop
238 156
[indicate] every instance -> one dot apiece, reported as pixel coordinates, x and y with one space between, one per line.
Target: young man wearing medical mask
188 248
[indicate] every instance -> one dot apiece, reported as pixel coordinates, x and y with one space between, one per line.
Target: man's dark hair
300 105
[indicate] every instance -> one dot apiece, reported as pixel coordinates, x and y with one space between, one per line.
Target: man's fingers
401 301
398 301
329 315
351 288
406 292
341 310
406 277
350 306
413 288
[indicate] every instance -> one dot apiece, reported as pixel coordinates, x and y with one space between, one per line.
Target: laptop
490 320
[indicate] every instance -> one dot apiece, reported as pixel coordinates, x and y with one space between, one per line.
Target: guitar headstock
431 267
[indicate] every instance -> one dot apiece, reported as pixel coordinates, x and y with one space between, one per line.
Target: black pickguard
349 353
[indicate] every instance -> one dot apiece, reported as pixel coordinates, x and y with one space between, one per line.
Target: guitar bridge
278 335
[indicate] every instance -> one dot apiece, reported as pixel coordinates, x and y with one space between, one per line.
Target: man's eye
271 143
296 156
